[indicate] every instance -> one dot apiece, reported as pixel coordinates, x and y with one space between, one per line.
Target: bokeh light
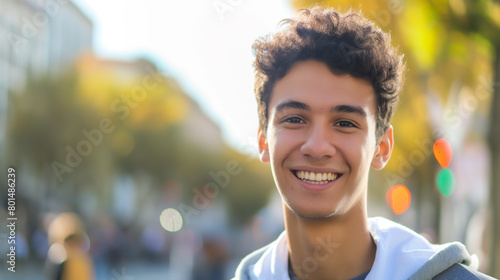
446 182
398 198
442 152
56 253
171 220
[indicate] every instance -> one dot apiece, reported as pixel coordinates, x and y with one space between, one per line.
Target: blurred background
132 131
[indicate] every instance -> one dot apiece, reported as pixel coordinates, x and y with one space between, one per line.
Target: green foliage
44 119
249 191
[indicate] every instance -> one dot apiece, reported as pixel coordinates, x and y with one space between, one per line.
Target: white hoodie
401 254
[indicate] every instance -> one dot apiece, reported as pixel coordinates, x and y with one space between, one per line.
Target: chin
312 213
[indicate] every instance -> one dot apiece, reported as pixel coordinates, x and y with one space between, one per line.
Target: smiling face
321 140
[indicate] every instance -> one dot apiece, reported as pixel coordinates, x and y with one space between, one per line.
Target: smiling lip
316 180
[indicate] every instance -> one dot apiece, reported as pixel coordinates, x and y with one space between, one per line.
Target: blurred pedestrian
67 258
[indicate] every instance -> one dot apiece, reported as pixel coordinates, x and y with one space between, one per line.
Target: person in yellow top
67 258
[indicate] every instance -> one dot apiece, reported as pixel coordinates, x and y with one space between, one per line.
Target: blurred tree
450 48
45 124
108 118
470 50
250 190
481 19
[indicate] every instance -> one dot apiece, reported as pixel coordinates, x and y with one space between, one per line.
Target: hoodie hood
406 253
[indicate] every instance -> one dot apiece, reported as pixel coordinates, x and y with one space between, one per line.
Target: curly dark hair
347 43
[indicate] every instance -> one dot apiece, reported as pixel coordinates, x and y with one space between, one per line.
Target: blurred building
175 106
37 37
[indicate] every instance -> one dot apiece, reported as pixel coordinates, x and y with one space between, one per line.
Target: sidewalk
131 271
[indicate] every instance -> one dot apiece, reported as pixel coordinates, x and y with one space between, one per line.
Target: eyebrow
348 109
292 104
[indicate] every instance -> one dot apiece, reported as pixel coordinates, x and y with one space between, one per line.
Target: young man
327 85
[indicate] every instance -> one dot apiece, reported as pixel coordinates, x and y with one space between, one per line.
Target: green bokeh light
446 181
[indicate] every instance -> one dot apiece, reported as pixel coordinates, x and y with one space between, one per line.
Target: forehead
312 83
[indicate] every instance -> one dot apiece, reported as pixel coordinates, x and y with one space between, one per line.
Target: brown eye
345 124
293 120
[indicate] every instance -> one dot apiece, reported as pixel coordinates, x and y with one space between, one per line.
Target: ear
263 148
384 149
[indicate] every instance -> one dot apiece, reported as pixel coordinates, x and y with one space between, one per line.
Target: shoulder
397 238
460 271
382 227
400 250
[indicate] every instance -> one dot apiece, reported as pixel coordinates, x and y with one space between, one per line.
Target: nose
319 142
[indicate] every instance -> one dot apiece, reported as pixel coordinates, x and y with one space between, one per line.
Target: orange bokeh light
398 198
442 152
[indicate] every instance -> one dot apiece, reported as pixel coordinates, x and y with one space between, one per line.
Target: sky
204 44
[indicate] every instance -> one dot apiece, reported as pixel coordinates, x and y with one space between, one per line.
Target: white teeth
316 178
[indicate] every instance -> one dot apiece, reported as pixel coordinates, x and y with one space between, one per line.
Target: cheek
358 152
274 149
280 142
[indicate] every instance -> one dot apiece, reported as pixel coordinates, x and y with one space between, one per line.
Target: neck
339 247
